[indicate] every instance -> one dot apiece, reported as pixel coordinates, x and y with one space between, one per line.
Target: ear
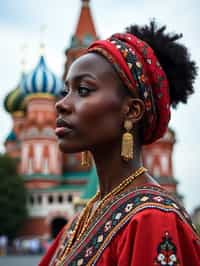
134 109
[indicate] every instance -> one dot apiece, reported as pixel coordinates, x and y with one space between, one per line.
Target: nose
63 106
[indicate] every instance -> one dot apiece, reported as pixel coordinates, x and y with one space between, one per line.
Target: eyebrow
81 76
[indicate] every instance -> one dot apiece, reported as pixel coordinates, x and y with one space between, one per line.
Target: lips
62 127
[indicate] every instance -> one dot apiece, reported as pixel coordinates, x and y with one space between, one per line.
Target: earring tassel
85 158
127 146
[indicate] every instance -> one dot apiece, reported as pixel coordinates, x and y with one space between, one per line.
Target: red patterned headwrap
140 71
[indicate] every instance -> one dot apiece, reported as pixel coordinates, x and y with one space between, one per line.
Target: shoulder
154 236
149 206
155 219
157 222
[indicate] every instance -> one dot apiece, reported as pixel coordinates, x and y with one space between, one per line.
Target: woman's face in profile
90 113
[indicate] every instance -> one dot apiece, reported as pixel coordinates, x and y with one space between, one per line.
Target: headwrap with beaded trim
135 62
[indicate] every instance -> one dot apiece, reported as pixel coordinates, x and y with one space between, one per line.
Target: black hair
173 57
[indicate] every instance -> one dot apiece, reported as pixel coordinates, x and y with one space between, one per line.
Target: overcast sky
20 22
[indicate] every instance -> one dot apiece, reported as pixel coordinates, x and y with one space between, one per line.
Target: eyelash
82 91
64 93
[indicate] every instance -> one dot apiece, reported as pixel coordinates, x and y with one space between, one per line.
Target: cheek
100 116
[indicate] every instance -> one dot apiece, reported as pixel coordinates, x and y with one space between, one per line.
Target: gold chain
85 218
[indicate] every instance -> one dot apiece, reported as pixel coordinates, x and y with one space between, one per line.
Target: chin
68 147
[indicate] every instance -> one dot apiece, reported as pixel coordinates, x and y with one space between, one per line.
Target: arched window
46 166
50 199
39 199
30 160
60 198
32 132
70 198
48 132
30 166
46 160
31 200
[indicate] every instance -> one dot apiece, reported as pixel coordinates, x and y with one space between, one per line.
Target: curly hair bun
173 56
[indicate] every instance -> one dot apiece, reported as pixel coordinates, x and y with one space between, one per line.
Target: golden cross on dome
23 49
43 29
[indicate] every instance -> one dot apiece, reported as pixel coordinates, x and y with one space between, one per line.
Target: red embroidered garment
143 227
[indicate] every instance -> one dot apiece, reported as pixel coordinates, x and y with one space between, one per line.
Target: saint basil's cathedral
57 184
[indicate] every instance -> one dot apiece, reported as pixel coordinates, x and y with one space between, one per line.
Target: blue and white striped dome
41 80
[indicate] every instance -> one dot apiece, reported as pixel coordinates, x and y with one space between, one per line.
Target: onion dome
41 80
14 102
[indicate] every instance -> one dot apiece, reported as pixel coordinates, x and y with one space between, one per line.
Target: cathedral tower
85 33
40 157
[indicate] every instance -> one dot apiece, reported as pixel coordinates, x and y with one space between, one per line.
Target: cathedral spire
84 35
85 30
85 2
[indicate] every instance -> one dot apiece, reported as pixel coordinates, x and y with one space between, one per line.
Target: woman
117 98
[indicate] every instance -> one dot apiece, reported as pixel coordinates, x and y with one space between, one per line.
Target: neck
111 169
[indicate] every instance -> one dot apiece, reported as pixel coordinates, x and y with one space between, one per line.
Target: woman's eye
64 92
83 91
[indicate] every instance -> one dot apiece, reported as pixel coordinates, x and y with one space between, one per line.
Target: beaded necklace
87 215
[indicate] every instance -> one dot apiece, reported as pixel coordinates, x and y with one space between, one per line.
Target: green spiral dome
14 101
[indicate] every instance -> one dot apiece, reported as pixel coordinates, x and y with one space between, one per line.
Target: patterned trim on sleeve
115 216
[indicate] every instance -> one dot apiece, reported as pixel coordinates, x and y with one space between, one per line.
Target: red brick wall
34 227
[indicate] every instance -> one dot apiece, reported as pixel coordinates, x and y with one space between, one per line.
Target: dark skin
95 106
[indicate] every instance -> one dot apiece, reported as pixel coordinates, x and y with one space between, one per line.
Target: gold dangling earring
85 158
127 142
